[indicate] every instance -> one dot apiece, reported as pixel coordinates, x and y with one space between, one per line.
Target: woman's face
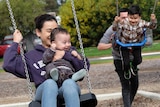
45 32
134 19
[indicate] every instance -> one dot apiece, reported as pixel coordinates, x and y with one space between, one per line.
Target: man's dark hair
134 9
39 20
123 10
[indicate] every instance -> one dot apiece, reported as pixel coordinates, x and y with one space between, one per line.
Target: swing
133 44
139 44
86 100
144 32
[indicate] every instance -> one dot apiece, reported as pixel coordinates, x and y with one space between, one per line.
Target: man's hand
117 19
153 17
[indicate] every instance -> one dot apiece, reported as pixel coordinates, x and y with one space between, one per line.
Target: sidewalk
110 57
107 84
100 97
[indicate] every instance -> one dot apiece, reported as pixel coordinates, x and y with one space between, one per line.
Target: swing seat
131 44
142 43
86 100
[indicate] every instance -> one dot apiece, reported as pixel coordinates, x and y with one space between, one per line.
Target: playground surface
103 79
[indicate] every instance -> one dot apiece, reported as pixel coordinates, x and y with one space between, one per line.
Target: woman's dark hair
39 20
56 31
134 9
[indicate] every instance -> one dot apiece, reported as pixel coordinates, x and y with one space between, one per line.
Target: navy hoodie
13 63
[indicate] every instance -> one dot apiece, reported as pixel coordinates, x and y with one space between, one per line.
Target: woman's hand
17 36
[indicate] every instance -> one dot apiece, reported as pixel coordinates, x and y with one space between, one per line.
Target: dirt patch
139 101
103 79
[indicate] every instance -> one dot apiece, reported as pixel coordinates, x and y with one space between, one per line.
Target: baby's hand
74 53
58 55
17 36
53 46
153 17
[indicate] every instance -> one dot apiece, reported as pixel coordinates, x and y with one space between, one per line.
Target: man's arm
104 42
149 36
103 46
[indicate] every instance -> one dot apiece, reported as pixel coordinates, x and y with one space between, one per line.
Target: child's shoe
54 74
79 74
134 70
127 74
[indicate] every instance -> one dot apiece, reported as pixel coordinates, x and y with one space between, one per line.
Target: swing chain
11 14
21 51
117 7
81 44
155 3
27 73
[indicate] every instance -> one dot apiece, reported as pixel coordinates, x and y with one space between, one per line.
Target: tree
94 16
24 12
51 5
146 8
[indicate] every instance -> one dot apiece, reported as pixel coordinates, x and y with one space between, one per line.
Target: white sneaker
54 74
79 75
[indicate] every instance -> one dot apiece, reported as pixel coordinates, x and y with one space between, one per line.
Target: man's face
123 15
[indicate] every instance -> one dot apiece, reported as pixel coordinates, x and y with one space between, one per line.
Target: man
129 86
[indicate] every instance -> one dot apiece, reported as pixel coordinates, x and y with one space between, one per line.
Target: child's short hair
56 31
134 9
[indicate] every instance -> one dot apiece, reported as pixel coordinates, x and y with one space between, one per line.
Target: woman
46 90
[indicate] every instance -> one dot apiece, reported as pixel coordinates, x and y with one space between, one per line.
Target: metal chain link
11 14
21 51
81 44
117 7
155 3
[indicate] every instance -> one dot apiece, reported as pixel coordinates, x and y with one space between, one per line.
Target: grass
1 70
93 52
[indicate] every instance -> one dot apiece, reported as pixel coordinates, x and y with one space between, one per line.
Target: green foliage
95 16
51 5
93 19
146 8
24 12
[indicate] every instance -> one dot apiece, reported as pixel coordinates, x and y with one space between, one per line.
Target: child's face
134 19
62 41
